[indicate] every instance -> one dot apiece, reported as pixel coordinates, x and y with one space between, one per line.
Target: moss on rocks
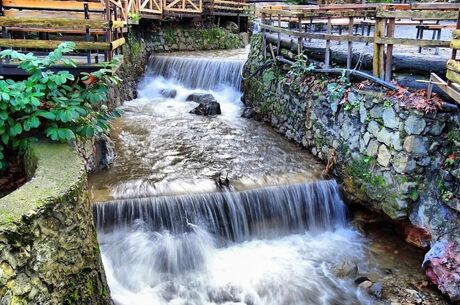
53 170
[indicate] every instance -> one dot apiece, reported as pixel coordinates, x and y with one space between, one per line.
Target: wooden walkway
296 22
96 26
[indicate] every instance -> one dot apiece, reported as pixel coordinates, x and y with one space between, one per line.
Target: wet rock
168 93
442 267
105 151
414 125
248 113
207 108
413 234
346 269
201 98
376 290
365 284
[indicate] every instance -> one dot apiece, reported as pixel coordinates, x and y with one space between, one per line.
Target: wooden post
263 18
327 59
299 39
378 64
389 54
87 34
350 46
108 56
278 46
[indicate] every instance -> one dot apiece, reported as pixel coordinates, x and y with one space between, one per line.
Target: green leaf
46 114
16 129
5 138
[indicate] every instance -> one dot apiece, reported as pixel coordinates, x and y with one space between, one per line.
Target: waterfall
235 216
198 73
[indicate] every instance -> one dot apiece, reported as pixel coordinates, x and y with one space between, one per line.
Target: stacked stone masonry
393 159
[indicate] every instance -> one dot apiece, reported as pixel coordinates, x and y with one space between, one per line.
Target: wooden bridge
96 26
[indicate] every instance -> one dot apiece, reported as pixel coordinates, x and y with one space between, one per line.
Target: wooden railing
95 26
294 21
151 6
233 6
183 6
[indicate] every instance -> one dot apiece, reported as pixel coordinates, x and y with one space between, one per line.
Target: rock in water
201 98
442 267
105 151
209 108
168 93
248 113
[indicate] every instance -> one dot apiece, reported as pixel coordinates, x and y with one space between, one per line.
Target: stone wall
389 156
48 248
186 39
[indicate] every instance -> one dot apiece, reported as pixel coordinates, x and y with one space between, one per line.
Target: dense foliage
57 105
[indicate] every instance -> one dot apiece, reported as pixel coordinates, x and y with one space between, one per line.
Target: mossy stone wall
48 248
387 156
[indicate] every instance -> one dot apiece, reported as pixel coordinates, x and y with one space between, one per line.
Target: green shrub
52 104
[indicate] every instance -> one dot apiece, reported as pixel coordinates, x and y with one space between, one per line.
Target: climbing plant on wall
52 104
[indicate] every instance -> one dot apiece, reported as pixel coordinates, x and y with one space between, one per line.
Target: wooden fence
295 21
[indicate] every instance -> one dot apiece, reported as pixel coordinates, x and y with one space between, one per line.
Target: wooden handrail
385 21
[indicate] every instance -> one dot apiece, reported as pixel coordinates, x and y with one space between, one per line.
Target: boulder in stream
211 108
168 93
208 104
248 113
201 98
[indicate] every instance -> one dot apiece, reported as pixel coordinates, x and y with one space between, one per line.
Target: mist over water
169 235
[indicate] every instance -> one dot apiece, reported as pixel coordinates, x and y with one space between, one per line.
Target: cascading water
208 74
170 235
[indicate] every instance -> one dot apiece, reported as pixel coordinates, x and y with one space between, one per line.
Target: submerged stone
168 93
201 98
209 108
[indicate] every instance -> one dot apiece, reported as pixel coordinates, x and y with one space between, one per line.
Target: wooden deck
96 26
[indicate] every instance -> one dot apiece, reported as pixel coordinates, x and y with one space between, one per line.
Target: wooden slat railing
291 20
183 6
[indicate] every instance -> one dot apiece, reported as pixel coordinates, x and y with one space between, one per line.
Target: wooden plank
350 44
53 23
453 65
50 14
427 14
52 44
413 42
377 61
319 36
435 6
389 52
55 30
453 76
52 5
455 44
118 43
327 58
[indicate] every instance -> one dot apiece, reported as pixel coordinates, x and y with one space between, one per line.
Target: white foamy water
169 236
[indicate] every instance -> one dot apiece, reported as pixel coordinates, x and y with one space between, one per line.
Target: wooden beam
453 76
413 14
377 63
118 43
413 42
435 6
453 65
454 94
53 23
52 5
52 44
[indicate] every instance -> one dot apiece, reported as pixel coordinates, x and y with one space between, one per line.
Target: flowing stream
170 235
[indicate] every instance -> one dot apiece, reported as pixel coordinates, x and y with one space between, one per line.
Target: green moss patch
54 170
